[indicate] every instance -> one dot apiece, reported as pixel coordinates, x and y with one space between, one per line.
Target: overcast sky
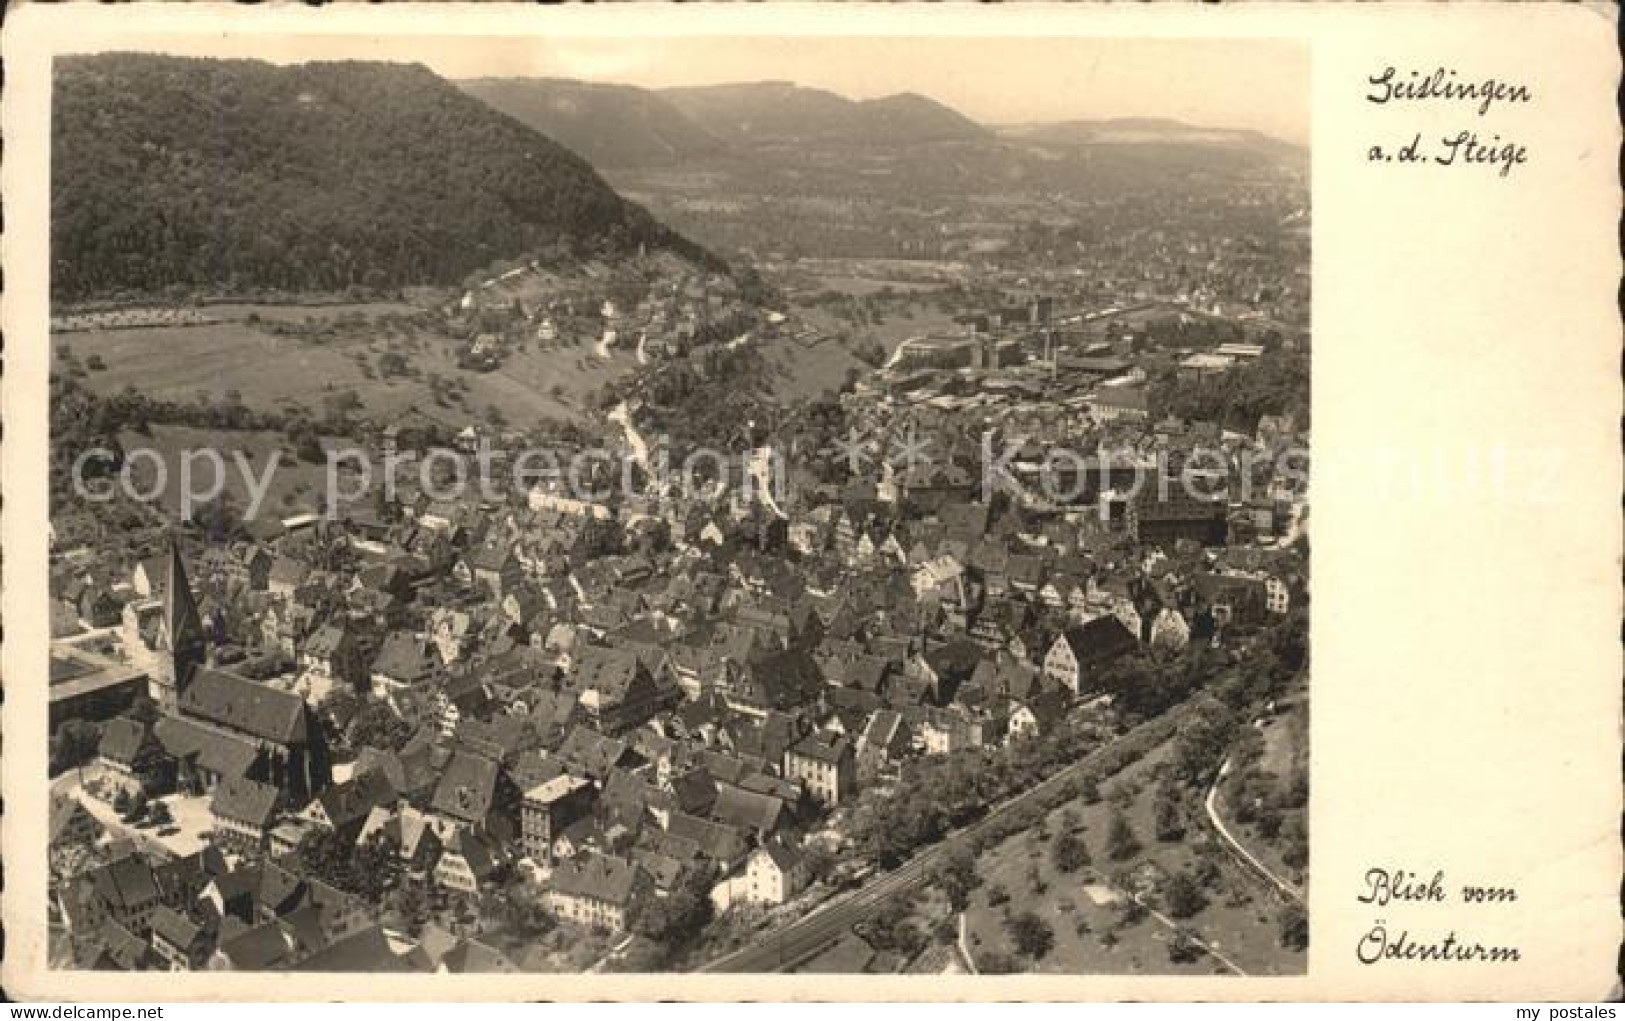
1232 83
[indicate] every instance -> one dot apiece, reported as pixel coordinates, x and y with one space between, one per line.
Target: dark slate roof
820 748
122 739
127 882
350 801
243 800
600 877
609 671
215 751
591 752
257 949
1099 639
404 657
366 950
174 927
466 787
247 706
123 948
735 806
717 841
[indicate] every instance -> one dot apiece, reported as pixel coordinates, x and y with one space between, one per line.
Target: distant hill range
1138 131
179 174
627 126
608 125
782 111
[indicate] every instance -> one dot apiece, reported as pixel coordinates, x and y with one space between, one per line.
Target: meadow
1082 906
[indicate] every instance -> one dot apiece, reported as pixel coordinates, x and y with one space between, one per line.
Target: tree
679 917
527 913
1182 896
1069 852
1032 935
1121 843
138 805
957 876
377 726
1185 946
121 803
324 856
1202 744
1292 926
1090 791
74 744
377 862
1296 837
391 363
995 963
411 902
307 446
1169 821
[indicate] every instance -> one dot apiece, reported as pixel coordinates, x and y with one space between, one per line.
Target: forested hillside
175 175
607 125
758 112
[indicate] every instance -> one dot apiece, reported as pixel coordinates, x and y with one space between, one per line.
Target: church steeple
183 628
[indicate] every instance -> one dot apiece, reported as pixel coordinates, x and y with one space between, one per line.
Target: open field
293 488
806 372
534 383
271 372
1238 921
898 326
862 286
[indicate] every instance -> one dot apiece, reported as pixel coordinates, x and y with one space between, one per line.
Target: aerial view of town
612 523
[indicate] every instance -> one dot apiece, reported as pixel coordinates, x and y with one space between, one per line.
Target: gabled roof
404 657
735 806
240 704
591 752
261 948
246 801
466 787
351 801
174 927
1098 640
783 858
610 672
820 748
122 947
599 877
125 883
123 739
181 878
882 728
695 791
783 680
366 950
470 956
326 641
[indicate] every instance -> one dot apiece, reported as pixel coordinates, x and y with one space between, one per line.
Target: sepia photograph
730 504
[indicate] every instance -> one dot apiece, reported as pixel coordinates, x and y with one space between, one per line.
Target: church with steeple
183 648
218 725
